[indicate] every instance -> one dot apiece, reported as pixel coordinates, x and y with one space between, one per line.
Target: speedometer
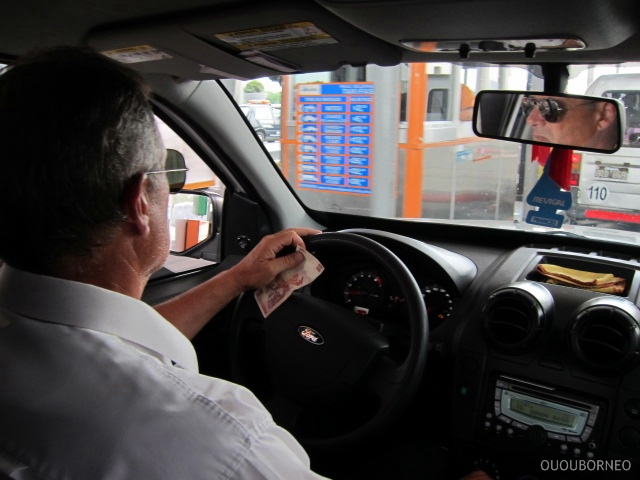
364 292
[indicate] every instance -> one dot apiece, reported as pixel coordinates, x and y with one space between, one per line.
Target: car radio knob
488 467
537 435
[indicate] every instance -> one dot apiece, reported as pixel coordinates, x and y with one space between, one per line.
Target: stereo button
586 434
557 436
537 435
519 425
632 408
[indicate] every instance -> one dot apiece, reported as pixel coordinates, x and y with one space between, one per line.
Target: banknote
280 288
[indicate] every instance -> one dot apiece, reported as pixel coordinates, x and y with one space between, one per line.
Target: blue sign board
335 129
334 125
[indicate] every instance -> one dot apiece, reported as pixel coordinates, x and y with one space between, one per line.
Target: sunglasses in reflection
549 108
176 169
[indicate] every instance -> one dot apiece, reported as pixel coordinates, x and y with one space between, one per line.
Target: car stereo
550 415
529 417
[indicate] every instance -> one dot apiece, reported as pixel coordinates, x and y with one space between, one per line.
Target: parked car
264 118
466 321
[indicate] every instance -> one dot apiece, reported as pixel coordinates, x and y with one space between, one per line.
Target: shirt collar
76 304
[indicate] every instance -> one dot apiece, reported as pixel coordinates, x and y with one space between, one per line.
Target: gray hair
75 130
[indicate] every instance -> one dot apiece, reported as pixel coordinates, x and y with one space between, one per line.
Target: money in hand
280 288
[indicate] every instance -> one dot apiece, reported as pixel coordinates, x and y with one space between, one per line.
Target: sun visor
242 44
171 50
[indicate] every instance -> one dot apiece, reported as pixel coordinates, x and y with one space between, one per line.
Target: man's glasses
176 169
549 108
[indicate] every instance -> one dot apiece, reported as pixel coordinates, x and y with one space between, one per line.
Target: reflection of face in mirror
572 121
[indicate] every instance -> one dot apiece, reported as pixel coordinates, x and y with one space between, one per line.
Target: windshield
397 142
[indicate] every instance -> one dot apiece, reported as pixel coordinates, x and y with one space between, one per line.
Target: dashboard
539 371
548 372
519 370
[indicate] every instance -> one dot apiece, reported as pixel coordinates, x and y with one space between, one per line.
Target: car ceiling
197 39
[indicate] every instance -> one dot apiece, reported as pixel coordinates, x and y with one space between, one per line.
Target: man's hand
476 475
190 311
262 264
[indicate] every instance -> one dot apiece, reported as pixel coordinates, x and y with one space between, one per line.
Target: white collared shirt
97 385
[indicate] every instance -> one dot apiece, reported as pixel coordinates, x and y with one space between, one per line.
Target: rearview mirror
569 121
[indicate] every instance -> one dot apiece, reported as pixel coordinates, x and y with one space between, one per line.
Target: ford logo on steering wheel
310 335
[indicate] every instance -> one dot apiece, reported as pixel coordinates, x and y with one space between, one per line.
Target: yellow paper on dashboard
598 282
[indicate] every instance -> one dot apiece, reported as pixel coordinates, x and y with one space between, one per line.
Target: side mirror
191 220
559 120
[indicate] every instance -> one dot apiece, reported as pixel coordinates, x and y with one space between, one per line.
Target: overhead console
428 31
556 373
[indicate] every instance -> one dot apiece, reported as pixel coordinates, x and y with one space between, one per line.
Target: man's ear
136 204
607 115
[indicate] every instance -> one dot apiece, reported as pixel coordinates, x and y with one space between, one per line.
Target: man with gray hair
96 384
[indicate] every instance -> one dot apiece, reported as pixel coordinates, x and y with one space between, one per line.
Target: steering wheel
330 376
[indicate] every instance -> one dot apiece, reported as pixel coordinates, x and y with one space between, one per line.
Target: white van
608 185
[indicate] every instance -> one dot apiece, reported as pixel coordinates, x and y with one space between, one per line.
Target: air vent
605 335
515 317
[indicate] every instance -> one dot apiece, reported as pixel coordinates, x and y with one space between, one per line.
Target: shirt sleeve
274 456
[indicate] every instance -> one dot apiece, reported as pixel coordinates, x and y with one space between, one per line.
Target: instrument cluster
366 289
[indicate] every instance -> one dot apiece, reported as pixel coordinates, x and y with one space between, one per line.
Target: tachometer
364 292
439 303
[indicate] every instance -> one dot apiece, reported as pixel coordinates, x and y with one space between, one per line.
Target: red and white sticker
277 37
137 54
